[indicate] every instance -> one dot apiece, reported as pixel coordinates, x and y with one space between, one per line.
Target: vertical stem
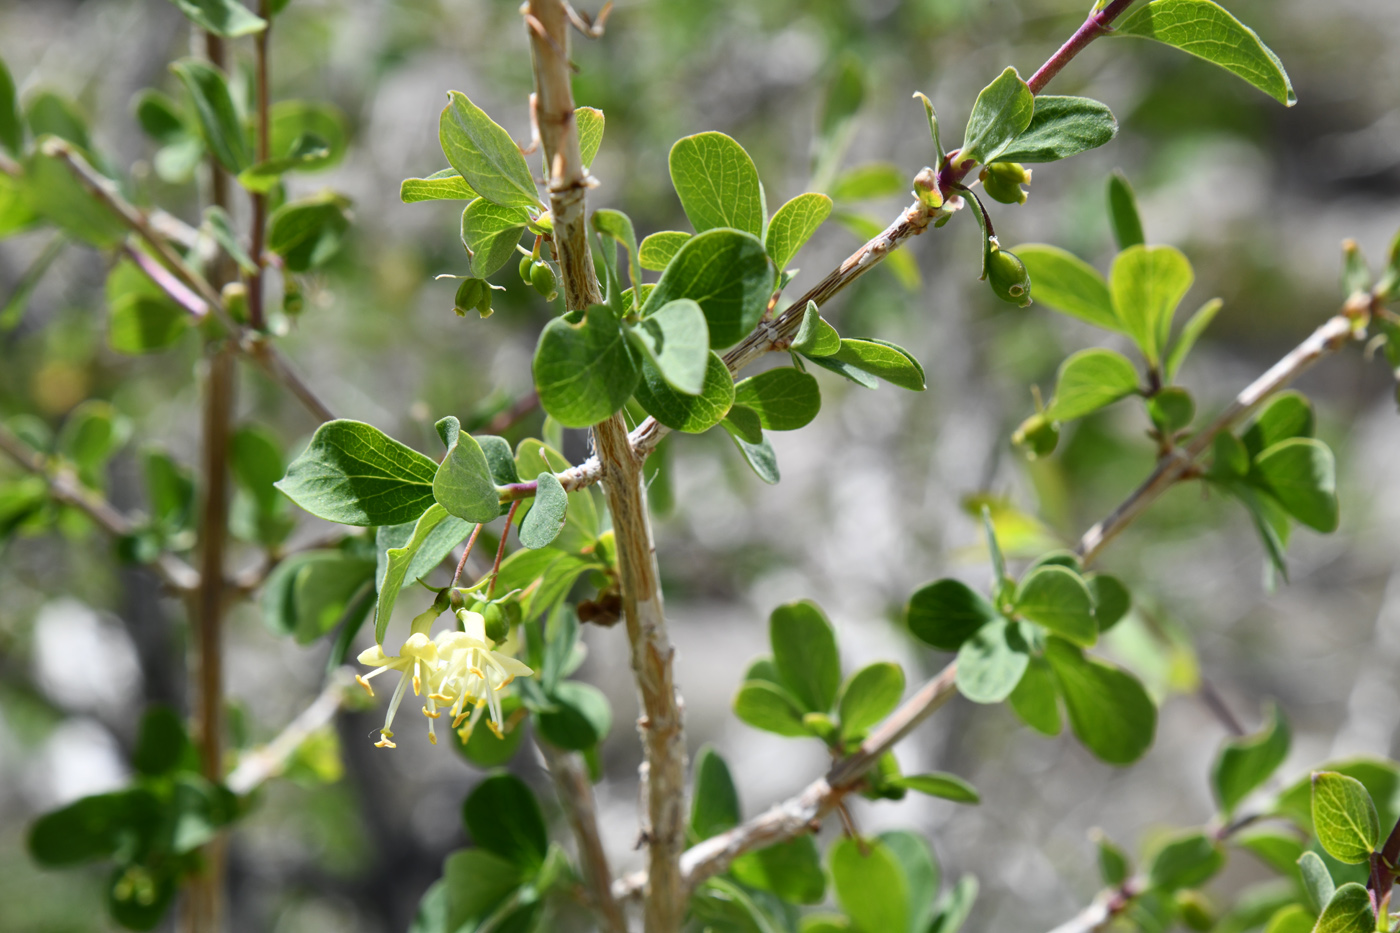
661 723
576 793
204 913
257 319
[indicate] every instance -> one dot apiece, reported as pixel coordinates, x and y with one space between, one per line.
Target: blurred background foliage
875 496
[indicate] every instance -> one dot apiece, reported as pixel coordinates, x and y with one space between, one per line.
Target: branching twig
1328 338
252 344
576 793
257 766
65 487
660 725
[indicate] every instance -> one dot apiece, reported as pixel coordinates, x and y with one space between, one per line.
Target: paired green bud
473 294
538 275
1008 276
1038 436
1003 180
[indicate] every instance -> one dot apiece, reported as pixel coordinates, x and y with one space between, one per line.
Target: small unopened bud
497 622
926 189
1037 436
1009 277
235 296
1003 180
473 294
542 278
524 269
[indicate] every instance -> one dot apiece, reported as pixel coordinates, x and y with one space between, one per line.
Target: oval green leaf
1090 380
717 183
354 474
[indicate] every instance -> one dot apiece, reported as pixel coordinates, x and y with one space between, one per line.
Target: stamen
364 683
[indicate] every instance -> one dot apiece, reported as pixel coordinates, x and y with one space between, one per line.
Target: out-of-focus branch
1327 339
803 813
254 345
1109 903
576 793
65 487
257 766
256 318
663 739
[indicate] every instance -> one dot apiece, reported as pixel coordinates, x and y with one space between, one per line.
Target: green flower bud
1038 435
1197 913
926 189
235 296
292 302
1009 277
1003 180
542 278
525 265
497 622
473 294
1171 409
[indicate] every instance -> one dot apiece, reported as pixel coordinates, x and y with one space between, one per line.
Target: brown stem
65 487
576 794
661 724
466 552
257 318
500 549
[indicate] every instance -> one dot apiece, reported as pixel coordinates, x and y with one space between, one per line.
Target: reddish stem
461 564
1096 25
501 548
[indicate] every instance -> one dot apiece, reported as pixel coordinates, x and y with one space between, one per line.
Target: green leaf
872 180
490 233
1291 919
580 719
1068 284
547 517
354 474
870 885
590 123
1090 380
16 213
921 875
720 904
676 341
306 151
227 18
220 225
504 817
728 274
794 224
161 743
587 370
1287 415
92 827
954 906
1245 763
50 113
851 373
11 124
449 533
815 337
1301 473
53 192
1187 861
714 806
946 613
784 398
1317 880
1036 699
307 594
306 233
1111 599
444 185
91 434
170 489
991 662
760 456
1057 598
892 363
477 882
1061 127
692 414
484 154
792 870
871 694
804 650
1344 817
657 250
1191 331
717 184
767 706
1123 213
1108 708
1114 866
397 563
581 528
1171 409
219 122
618 226
939 784
1147 283
1206 30
290 121
1002 112
145 323
463 484
1349 911
483 749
